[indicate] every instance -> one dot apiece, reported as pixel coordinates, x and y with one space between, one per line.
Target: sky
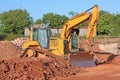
37 8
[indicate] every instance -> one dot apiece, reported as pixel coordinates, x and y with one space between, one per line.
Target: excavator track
37 52
81 59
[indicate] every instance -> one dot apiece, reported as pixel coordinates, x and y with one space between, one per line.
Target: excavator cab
42 35
74 39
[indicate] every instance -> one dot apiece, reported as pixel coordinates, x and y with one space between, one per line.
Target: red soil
8 50
55 67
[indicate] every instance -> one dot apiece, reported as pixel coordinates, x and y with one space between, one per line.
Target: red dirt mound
107 58
8 50
36 69
104 57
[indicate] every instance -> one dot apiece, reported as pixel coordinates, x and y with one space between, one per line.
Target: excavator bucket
82 59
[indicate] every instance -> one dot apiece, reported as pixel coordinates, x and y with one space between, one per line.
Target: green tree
38 21
108 24
56 20
116 27
14 21
48 18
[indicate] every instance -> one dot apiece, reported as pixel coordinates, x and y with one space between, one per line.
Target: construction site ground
54 67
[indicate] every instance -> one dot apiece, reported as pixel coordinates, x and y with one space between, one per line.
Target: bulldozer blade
82 59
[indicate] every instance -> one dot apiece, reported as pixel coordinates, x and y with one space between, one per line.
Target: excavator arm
85 58
69 25
78 19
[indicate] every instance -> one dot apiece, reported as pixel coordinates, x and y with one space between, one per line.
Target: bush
9 36
2 36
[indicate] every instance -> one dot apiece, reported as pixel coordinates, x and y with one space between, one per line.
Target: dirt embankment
8 50
36 69
13 68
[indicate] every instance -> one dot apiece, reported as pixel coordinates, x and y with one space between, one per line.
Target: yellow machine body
56 46
63 45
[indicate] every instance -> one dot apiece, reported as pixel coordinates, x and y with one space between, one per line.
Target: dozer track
37 52
81 59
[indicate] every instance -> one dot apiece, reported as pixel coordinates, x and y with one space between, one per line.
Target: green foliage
9 36
55 20
2 36
38 21
14 21
105 23
108 24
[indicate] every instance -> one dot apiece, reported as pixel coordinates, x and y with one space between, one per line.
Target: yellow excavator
67 45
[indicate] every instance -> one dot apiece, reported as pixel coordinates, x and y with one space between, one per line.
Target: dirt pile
103 57
11 67
8 50
37 69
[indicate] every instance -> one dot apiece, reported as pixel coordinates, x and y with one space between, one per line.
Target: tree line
14 22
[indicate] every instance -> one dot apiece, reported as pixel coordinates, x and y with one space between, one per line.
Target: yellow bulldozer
67 45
